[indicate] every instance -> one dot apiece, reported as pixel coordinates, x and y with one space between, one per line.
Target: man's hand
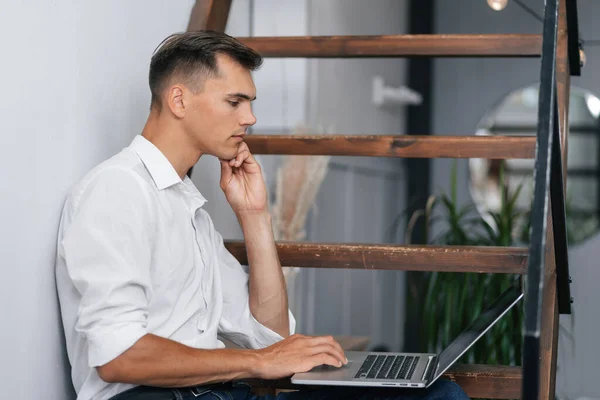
299 353
243 183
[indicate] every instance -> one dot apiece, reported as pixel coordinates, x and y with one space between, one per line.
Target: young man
144 281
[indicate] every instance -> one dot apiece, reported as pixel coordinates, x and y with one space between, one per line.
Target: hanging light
497 5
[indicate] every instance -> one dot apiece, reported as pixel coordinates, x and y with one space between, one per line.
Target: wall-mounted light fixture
385 95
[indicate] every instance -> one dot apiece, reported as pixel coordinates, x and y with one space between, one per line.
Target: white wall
74 83
464 90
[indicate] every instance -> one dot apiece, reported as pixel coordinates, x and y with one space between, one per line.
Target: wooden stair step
477 380
487 381
440 45
407 146
482 259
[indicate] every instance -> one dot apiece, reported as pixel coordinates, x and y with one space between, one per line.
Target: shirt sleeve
237 322
107 252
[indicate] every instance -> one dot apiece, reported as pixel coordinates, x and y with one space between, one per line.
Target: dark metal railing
548 196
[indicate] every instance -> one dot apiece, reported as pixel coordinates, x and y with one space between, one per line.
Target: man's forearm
156 361
268 295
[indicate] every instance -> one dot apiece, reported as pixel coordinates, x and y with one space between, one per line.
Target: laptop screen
480 326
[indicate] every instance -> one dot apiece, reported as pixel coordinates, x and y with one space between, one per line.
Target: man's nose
248 118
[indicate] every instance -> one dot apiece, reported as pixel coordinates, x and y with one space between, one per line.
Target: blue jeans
442 389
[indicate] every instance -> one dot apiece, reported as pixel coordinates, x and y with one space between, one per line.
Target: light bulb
582 58
593 104
497 5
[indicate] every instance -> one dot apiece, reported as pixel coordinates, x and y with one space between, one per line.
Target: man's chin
227 153
227 156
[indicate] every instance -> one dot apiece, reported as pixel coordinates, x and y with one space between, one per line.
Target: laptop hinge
430 369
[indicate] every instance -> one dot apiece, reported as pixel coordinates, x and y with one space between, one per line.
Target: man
144 281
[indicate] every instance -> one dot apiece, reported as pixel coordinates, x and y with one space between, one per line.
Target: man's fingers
318 360
243 156
331 350
326 340
338 349
239 158
250 158
325 359
226 173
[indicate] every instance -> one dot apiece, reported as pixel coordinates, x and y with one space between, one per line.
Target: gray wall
464 90
73 78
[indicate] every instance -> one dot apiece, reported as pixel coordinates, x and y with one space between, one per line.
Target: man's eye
234 103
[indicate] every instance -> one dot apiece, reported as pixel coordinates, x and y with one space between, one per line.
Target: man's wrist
253 217
255 364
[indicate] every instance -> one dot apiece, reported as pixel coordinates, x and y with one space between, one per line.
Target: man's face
221 113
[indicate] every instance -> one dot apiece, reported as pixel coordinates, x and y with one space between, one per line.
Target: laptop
412 370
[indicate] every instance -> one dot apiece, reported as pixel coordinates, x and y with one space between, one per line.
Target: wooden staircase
487 381
398 46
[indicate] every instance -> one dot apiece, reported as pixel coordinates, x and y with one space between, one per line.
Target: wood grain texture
488 381
508 45
209 14
563 84
509 260
406 146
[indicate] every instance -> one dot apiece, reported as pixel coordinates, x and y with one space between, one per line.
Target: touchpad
325 368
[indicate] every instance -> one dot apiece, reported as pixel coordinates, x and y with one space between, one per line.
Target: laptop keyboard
387 367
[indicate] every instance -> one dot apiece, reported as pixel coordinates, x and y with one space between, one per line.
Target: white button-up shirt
137 254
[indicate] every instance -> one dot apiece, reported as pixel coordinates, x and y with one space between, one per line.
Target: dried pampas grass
298 180
297 183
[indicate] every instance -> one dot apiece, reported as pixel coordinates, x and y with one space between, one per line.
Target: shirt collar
188 187
159 167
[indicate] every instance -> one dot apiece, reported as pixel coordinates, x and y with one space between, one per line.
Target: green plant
453 300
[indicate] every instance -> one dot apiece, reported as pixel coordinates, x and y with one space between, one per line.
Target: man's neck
172 142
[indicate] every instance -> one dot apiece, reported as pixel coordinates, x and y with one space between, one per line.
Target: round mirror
506 186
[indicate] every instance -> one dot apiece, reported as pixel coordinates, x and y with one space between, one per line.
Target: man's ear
175 101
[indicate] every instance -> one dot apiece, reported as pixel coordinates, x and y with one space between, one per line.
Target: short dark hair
191 56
